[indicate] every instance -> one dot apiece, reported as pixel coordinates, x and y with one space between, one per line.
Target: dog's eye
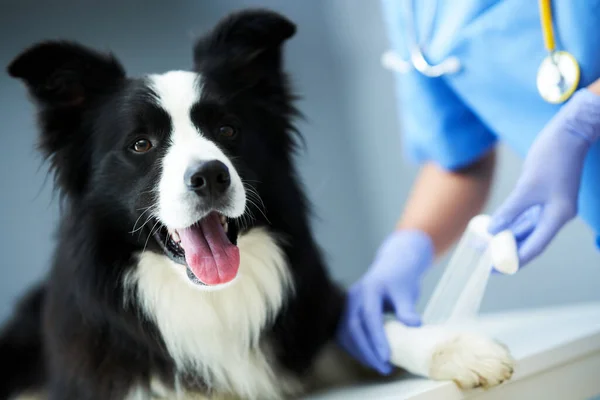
227 131
141 146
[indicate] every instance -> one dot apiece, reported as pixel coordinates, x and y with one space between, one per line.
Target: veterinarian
471 73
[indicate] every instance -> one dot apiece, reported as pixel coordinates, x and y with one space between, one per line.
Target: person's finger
516 203
404 304
346 340
363 345
348 327
382 366
553 218
356 341
372 315
526 222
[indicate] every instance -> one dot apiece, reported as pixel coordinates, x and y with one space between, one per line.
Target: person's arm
546 195
438 210
437 127
595 87
442 202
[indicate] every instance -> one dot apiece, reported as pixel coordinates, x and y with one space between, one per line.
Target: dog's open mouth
207 248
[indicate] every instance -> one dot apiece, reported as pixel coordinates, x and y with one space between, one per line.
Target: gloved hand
546 194
392 284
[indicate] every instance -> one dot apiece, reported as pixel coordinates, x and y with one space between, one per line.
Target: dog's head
175 160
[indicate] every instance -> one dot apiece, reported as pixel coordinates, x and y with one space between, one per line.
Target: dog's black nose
208 178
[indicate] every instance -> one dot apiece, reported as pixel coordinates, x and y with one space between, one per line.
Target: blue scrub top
453 120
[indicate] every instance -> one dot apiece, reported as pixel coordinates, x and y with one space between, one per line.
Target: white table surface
557 353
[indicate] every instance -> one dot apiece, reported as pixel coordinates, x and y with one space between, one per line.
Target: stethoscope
557 77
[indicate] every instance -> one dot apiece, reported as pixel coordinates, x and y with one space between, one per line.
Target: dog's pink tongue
208 251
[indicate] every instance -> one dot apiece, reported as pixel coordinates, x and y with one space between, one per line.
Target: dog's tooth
176 237
222 219
226 227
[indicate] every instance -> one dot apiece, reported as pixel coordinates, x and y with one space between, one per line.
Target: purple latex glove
546 194
392 284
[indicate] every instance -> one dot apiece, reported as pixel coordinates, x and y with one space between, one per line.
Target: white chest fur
217 333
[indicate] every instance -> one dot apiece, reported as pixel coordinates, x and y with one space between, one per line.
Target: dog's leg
443 353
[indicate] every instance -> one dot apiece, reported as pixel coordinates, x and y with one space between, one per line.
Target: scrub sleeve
437 126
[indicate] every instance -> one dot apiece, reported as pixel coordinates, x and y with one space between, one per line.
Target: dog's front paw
471 361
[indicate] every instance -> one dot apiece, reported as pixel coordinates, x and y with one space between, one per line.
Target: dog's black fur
72 336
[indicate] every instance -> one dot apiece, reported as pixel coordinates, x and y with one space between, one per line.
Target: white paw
471 361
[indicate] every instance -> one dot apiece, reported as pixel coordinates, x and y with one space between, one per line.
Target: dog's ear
244 47
65 74
65 79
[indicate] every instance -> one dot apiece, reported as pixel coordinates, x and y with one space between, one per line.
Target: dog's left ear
244 47
65 74
65 79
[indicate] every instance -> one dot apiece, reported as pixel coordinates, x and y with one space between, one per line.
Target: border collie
185 265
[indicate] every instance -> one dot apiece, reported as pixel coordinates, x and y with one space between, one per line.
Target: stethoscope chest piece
558 77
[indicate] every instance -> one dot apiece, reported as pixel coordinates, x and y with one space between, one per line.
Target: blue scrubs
453 120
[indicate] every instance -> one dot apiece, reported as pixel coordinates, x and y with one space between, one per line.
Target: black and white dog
185 265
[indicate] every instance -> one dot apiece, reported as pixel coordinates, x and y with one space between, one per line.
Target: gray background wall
353 168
